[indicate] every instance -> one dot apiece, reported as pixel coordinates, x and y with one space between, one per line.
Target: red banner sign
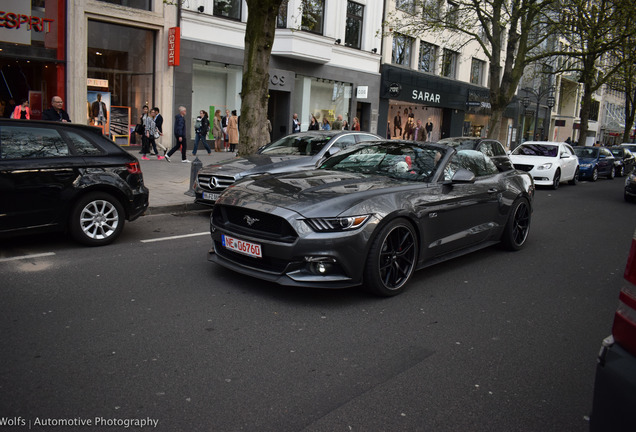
174 46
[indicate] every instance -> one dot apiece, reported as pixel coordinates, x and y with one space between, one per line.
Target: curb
176 208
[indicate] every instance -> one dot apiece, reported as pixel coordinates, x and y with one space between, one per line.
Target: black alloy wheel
518 226
575 179
595 174
556 180
611 174
392 258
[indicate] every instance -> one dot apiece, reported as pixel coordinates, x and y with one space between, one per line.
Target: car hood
311 193
258 164
532 160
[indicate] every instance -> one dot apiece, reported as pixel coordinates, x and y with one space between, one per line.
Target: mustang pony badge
250 220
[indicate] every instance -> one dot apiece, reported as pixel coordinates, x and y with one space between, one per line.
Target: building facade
324 61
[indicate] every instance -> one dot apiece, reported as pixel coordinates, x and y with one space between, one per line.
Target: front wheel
620 171
611 174
97 219
392 259
595 174
518 225
556 180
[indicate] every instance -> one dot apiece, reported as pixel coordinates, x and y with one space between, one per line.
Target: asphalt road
147 330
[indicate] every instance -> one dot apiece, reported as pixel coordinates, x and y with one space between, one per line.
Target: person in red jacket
22 111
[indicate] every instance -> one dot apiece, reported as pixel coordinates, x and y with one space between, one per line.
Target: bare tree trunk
259 38
630 111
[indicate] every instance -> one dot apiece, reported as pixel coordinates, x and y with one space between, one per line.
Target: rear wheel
620 171
556 180
97 219
518 225
575 179
392 259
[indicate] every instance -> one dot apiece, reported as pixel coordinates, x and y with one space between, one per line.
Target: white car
549 163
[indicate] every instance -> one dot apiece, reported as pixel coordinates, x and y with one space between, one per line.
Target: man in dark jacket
56 112
179 135
159 123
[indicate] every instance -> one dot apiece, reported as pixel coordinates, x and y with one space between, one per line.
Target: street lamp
538 96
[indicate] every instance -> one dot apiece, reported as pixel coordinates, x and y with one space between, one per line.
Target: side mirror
463 176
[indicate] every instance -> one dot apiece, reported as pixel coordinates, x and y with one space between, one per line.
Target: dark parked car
595 162
296 152
630 186
490 147
370 215
615 382
59 176
624 160
630 146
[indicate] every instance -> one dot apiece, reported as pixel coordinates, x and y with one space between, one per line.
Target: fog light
320 265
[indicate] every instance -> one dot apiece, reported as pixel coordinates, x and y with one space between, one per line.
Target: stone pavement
168 182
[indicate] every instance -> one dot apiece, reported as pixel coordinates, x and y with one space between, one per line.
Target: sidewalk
169 181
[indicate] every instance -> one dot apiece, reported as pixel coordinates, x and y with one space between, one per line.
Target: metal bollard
194 170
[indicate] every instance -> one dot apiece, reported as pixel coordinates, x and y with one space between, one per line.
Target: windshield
616 152
401 161
586 152
297 145
460 143
545 150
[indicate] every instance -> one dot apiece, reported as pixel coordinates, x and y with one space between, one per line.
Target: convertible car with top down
370 215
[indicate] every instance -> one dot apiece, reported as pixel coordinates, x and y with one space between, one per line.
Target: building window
353 32
449 64
136 4
281 20
127 69
428 56
227 8
402 49
452 13
477 72
313 16
407 6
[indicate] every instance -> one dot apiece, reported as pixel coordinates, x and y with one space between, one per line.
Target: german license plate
211 196
242 246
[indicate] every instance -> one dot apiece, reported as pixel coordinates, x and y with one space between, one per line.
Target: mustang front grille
253 223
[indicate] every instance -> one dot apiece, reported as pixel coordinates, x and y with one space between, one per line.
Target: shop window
227 9
402 45
477 72
353 32
121 61
313 16
281 19
428 56
449 64
136 4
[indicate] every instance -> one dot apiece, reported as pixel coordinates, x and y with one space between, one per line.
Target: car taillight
133 168
624 328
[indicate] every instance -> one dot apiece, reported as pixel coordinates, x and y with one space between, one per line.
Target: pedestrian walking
325 124
356 124
141 131
295 123
226 142
201 129
179 135
232 131
56 112
159 123
152 133
217 130
313 123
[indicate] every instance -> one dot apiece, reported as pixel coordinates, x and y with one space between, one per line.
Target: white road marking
175 237
40 255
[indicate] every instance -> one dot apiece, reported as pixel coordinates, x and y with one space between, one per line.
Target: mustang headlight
545 166
336 224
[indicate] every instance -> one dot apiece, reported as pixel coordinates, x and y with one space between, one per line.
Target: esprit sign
174 46
10 20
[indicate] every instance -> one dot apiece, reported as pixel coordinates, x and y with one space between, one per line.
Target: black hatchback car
64 177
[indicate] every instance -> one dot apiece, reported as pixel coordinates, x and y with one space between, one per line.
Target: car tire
611 174
556 180
517 227
595 174
392 258
575 179
620 171
97 219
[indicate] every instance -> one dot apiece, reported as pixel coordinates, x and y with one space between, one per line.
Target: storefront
451 108
32 54
210 77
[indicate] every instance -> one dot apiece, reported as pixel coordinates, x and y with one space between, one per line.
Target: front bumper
343 255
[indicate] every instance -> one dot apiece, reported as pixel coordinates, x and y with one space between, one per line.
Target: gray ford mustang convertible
370 215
